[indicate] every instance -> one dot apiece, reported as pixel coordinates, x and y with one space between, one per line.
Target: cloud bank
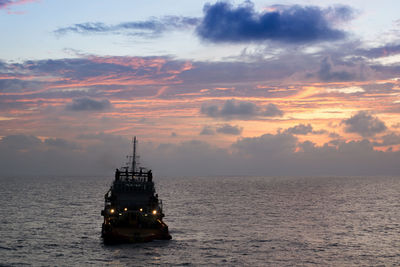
265 155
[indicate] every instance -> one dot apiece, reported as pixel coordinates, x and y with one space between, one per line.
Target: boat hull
133 235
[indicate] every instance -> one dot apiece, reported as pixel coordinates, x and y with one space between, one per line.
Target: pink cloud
6 4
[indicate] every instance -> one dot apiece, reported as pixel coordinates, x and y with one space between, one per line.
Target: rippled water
231 221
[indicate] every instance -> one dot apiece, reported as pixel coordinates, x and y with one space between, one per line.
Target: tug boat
132 210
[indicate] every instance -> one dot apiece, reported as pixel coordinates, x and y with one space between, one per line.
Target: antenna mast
134 156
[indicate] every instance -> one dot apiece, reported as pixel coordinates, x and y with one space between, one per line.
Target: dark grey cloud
188 157
237 108
241 71
17 85
267 144
271 110
88 104
20 142
207 130
303 129
77 69
149 28
28 155
229 129
223 22
364 124
5 3
221 129
389 140
268 154
325 72
348 158
60 143
381 51
3 65
277 154
334 135
233 109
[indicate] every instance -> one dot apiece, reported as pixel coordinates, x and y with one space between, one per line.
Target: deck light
112 211
154 212
141 209
125 209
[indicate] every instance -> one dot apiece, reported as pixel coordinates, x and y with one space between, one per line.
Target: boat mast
134 156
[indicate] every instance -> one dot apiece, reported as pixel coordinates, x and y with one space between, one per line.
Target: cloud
389 140
381 51
88 104
13 85
300 129
5 4
267 145
325 72
334 135
60 143
28 155
186 158
207 130
223 22
149 28
93 70
221 129
267 155
231 109
364 124
229 129
303 129
271 110
283 154
19 142
348 158
240 110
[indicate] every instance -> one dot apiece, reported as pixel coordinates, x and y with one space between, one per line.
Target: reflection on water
213 221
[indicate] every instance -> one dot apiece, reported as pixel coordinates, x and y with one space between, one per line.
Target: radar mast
134 141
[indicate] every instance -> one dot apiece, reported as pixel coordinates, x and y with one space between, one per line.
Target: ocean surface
224 221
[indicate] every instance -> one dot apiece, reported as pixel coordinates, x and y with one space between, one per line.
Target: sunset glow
322 93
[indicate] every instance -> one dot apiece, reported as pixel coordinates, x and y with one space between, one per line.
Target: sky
208 87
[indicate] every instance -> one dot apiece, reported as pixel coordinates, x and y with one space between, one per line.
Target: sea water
224 221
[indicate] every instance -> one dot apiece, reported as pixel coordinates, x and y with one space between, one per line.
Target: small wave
7 248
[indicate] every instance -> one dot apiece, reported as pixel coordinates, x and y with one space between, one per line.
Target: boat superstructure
132 210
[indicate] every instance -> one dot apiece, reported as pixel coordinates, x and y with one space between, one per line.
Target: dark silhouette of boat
132 210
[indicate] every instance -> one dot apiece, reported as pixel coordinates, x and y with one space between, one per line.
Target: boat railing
128 175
